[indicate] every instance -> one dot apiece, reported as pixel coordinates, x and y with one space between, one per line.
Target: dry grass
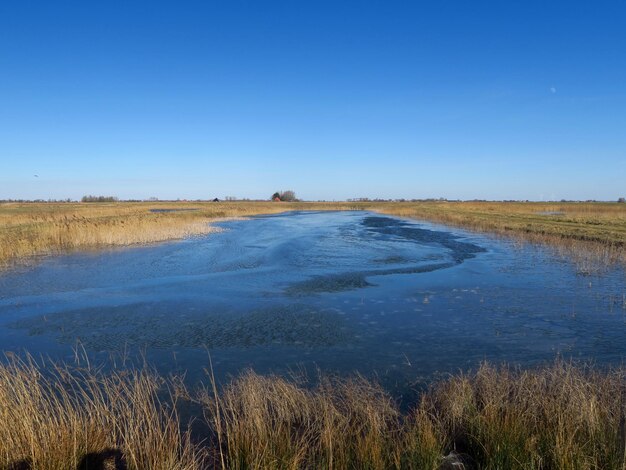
270 422
32 229
560 416
593 234
54 418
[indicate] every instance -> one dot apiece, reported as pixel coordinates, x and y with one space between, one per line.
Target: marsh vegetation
32 229
561 416
592 233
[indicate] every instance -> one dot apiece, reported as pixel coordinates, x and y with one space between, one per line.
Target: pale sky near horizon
335 100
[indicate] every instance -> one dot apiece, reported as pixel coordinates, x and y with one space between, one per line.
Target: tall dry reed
56 417
557 417
32 229
561 416
271 422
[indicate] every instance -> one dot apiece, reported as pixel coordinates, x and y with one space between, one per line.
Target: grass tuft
55 417
561 416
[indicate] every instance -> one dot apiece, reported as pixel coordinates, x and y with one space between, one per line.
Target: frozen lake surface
339 291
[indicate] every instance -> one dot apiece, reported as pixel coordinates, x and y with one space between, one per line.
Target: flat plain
589 231
563 414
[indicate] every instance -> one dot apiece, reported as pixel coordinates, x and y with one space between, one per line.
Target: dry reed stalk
561 416
271 422
28 230
557 417
56 417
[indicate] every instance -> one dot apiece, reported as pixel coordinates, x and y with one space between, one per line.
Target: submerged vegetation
562 416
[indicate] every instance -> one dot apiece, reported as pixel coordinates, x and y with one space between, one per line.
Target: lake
406 301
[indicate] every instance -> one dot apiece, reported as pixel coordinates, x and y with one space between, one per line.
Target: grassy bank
558 417
593 234
32 229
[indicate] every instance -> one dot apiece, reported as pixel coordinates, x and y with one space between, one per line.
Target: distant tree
99 199
622 199
288 196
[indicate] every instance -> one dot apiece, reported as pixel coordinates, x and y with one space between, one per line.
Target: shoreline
31 230
592 235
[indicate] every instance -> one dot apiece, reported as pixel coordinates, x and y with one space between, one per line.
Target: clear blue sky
460 99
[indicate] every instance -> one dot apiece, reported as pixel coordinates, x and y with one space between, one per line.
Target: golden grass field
591 233
28 230
561 416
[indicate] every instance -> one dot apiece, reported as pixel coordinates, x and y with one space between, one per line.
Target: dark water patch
410 269
145 325
389 230
392 260
334 283
460 250
356 280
